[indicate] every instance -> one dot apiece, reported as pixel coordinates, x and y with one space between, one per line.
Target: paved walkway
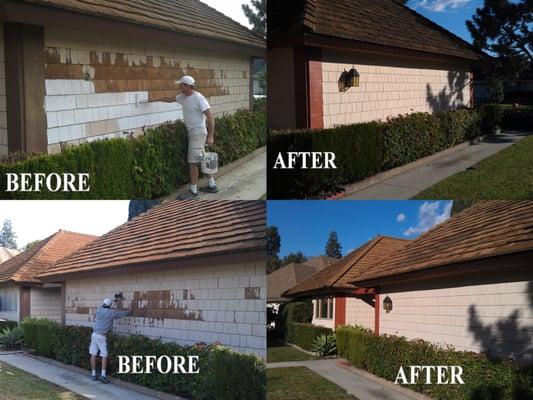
247 181
73 381
361 387
410 183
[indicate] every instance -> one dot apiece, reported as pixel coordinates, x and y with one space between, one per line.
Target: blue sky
305 225
450 14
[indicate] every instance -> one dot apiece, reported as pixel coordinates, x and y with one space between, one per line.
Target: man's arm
210 126
121 314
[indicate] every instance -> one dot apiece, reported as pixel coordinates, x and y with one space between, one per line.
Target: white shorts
98 342
196 146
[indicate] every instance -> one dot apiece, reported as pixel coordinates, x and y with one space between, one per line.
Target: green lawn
300 383
19 385
507 175
278 351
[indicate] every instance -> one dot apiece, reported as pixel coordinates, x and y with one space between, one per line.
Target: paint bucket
209 163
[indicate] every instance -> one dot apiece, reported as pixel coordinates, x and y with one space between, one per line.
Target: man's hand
210 126
210 140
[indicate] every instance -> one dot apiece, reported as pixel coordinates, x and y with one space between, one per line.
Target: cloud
430 214
400 217
442 5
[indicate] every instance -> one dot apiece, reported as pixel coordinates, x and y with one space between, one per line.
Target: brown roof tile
174 230
26 265
285 278
381 22
486 229
337 277
184 16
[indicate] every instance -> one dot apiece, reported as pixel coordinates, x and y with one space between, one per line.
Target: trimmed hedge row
384 355
142 168
303 335
519 119
7 324
363 150
224 375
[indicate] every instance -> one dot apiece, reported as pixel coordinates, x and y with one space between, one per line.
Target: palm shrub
325 345
11 338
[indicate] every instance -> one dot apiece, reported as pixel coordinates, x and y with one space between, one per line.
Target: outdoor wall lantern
353 78
387 304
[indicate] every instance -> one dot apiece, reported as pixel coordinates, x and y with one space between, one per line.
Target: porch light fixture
387 304
353 78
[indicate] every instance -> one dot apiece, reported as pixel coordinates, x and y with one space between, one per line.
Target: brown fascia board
248 255
314 40
330 291
22 12
448 270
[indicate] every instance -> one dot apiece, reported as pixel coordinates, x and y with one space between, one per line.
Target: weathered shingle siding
3 109
98 87
224 303
388 89
496 317
14 292
46 303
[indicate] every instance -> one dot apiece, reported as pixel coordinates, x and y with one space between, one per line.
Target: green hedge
519 119
224 375
363 150
143 168
7 324
484 378
297 311
303 335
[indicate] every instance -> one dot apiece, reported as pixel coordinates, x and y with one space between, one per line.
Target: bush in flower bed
304 335
364 149
484 378
146 167
7 324
223 375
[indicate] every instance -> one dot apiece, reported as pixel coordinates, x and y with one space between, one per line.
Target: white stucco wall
46 303
495 317
225 303
77 110
14 292
3 110
389 89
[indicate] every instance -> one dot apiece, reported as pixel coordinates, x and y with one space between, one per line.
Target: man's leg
93 366
193 171
104 366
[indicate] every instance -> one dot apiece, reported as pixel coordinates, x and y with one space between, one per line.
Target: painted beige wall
281 100
12 290
216 299
504 312
3 110
359 313
388 88
46 303
75 112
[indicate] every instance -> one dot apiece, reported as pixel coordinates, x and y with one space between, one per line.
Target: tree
273 246
8 238
333 247
31 244
298 258
257 16
503 27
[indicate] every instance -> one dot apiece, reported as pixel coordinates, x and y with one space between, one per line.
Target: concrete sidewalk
73 381
241 180
408 184
358 385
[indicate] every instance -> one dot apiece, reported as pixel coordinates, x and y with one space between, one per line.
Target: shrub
224 374
519 119
363 150
143 168
383 355
11 338
303 335
325 345
491 116
298 311
7 324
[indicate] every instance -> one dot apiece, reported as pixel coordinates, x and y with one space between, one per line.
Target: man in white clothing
200 124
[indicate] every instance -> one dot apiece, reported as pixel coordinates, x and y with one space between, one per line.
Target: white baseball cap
188 80
107 302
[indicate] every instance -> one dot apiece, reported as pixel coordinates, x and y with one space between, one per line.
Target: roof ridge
35 256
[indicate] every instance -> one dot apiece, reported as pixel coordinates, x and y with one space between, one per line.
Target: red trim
377 306
340 311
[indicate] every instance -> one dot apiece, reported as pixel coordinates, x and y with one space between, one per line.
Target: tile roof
380 22
26 265
178 229
337 277
285 278
184 16
6 254
486 229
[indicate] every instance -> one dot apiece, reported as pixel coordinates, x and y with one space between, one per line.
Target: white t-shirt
193 111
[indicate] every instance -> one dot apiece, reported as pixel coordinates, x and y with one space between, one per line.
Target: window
8 300
258 76
324 308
